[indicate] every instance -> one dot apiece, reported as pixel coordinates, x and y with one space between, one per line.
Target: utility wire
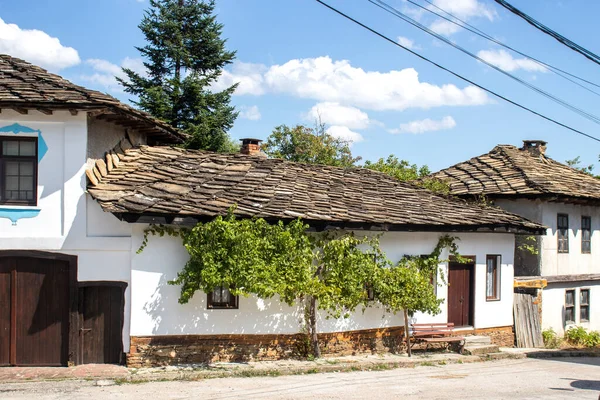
567 42
456 74
465 25
386 7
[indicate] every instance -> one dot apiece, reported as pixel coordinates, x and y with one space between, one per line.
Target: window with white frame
562 232
570 306
492 289
586 234
584 305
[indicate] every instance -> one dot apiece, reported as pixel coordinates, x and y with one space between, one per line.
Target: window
570 306
584 305
586 235
562 230
18 171
221 297
492 291
370 292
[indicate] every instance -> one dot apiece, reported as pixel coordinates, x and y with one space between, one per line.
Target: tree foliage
309 145
327 271
184 56
407 172
586 169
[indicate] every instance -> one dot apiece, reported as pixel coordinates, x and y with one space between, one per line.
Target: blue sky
296 59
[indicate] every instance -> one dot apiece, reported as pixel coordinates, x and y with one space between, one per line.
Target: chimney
250 146
535 147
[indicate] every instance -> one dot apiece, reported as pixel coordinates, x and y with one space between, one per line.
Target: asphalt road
559 378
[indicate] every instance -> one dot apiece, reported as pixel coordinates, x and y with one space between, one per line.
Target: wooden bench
436 333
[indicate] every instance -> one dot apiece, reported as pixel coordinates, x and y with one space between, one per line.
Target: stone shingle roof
172 182
26 86
508 171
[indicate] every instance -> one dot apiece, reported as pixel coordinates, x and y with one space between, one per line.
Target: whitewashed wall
553 306
68 221
155 310
545 213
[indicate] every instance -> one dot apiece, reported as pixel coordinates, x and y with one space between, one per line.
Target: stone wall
503 336
191 349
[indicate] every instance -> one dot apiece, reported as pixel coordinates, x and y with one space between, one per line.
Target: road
560 378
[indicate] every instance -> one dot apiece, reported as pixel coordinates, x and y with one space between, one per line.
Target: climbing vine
330 271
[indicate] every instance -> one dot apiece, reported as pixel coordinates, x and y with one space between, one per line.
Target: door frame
73 343
472 264
120 284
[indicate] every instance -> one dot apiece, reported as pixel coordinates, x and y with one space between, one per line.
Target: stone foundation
503 336
148 351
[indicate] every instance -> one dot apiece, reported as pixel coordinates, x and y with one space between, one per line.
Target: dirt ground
554 378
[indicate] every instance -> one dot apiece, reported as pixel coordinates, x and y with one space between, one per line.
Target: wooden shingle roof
166 184
24 86
508 171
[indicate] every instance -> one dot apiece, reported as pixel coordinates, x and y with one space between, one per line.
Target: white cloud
425 125
105 72
252 113
344 133
331 81
336 114
36 47
249 77
463 9
504 60
406 42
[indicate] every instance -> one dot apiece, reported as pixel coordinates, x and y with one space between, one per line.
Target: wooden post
314 337
406 333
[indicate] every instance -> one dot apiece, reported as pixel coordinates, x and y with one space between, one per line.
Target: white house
82 176
527 182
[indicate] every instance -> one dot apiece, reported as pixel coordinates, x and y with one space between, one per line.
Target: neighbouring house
527 182
82 176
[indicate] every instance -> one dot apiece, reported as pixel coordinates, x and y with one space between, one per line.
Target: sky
296 60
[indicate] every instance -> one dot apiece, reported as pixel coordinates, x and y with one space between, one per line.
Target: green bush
580 337
551 339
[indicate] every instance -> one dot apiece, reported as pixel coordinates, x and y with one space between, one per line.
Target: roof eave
322 225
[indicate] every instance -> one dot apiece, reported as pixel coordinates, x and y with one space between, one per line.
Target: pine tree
184 55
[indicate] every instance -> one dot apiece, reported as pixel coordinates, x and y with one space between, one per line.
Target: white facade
155 310
68 222
572 264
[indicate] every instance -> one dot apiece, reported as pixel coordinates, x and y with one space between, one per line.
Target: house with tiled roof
83 175
526 181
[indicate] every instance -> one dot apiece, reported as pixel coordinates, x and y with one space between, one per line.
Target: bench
436 333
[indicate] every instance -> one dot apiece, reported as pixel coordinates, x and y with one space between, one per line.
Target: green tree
407 172
184 56
326 271
586 169
309 145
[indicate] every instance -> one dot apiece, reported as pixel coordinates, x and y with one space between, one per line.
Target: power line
567 42
465 25
383 5
456 74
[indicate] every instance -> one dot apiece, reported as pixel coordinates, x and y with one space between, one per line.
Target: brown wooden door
35 294
460 294
102 314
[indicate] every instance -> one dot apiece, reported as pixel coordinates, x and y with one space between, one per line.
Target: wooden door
102 314
35 296
5 309
460 294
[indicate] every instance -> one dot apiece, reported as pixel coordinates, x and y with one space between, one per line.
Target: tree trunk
312 326
406 333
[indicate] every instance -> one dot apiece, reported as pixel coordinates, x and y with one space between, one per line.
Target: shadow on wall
254 316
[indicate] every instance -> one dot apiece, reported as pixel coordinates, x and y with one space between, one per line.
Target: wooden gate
460 293
528 331
102 307
35 298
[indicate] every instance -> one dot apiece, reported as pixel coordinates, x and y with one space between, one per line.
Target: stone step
477 340
476 350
